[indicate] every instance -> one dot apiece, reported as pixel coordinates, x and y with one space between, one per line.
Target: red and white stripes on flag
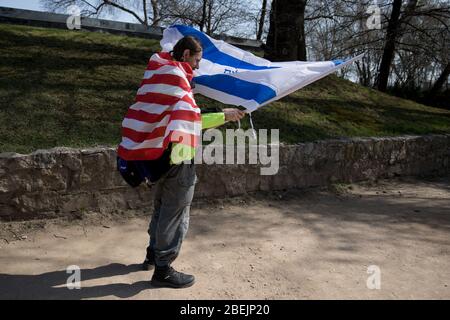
164 111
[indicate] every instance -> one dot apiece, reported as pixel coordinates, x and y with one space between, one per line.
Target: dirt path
303 244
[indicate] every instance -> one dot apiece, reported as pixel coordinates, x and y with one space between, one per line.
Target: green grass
64 88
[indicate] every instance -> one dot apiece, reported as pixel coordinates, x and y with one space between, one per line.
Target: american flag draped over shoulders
164 111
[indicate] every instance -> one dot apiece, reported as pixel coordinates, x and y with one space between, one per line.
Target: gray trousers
170 220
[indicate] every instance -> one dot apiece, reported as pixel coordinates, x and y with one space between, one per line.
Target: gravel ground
301 244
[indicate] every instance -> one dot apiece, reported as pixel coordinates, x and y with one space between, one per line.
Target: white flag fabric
237 77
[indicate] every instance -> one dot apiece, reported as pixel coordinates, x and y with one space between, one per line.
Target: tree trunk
393 32
156 14
440 81
261 20
203 21
209 20
389 46
301 49
144 4
286 38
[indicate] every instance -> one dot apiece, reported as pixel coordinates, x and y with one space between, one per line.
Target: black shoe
170 278
149 261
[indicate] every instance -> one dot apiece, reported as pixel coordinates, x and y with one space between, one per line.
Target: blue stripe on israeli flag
212 53
243 89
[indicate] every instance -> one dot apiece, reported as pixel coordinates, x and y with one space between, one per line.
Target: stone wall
64 181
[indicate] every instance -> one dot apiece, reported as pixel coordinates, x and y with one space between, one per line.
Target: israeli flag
237 77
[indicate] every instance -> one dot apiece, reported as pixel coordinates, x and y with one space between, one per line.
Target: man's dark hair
189 42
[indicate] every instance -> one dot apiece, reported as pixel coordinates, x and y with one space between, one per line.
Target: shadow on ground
52 285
